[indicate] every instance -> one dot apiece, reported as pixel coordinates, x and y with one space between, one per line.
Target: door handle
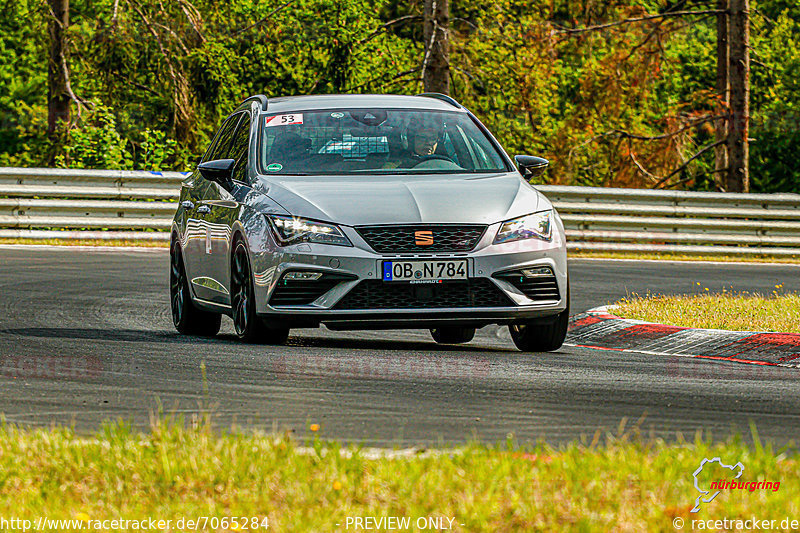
203 209
186 204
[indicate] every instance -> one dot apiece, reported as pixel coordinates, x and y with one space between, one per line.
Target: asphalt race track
87 335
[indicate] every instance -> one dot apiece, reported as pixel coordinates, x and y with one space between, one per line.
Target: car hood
380 199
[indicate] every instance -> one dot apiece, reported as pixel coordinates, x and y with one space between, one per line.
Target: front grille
537 288
403 239
377 294
303 292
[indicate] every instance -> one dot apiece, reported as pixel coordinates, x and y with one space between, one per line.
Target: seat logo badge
423 238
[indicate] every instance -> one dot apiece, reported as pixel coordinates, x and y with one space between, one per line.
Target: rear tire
188 319
248 325
534 336
452 334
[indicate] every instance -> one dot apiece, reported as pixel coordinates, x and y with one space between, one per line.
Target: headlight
537 225
293 230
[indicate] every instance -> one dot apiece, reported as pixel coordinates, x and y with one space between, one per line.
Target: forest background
617 93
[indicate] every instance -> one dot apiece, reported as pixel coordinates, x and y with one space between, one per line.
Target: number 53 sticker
283 120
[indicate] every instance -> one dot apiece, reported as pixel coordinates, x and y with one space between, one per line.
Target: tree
723 92
730 120
738 176
57 77
436 61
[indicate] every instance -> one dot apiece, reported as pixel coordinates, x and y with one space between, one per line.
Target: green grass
88 242
626 484
686 257
576 255
731 311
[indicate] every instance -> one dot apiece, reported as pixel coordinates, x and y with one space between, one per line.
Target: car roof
338 101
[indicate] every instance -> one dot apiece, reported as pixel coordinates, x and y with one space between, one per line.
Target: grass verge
575 255
685 257
731 311
174 472
88 242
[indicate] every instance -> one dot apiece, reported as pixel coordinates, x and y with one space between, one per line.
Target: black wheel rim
177 285
241 291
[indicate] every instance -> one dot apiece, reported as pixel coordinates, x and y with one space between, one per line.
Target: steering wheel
432 157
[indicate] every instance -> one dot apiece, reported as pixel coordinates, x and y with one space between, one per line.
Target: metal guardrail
51 203
41 203
686 222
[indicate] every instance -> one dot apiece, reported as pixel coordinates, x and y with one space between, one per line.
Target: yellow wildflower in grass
314 427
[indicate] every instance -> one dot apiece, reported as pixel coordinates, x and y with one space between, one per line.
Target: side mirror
219 170
531 166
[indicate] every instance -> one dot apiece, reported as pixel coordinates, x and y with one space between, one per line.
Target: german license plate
424 271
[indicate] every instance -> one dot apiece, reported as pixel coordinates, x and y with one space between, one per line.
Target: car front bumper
361 264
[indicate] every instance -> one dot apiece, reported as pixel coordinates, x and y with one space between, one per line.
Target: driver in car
423 139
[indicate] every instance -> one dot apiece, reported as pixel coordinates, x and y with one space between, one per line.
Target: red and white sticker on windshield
283 120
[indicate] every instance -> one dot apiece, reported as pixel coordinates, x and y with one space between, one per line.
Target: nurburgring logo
721 484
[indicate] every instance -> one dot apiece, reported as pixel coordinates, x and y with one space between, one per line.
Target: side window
239 149
221 145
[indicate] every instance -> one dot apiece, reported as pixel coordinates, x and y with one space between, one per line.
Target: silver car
366 212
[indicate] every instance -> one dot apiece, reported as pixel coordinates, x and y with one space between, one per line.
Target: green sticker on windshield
337 115
274 167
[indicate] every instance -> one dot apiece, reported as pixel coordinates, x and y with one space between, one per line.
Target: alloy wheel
241 291
177 284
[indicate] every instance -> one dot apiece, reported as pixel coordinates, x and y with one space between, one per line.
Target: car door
224 209
200 252
194 233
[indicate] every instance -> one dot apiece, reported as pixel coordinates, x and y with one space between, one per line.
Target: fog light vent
302 287
537 283
302 276
538 272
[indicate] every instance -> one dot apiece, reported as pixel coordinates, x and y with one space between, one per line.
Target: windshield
390 141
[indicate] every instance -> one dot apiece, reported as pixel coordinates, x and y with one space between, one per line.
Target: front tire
452 335
248 325
534 336
187 318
